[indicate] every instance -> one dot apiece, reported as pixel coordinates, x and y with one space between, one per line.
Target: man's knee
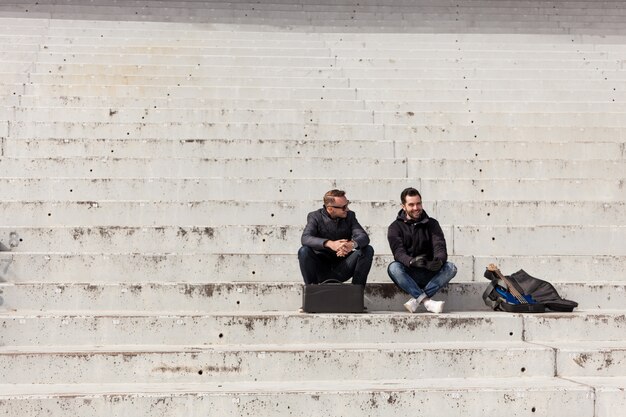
305 252
395 269
452 270
366 252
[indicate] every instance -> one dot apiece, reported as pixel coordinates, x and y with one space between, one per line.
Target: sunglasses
344 208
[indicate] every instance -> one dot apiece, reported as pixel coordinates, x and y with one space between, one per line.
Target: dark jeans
318 267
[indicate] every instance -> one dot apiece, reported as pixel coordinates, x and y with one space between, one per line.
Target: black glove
418 262
434 265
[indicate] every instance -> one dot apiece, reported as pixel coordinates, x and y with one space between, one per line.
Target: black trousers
316 267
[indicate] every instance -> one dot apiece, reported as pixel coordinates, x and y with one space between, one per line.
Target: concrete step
216 168
421 43
590 359
284 60
451 17
155 51
310 167
247 92
64 24
571 327
609 393
322 168
309 131
174 69
168 102
454 51
80 189
155 148
350 14
287 116
318 49
172 29
178 69
474 397
445 23
605 95
208 51
502 133
387 10
222 148
61 43
215 115
311 80
214 297
297 363
468 74
286 91
202 267
461 240
216 11
88 102
293 213
25 328
168 328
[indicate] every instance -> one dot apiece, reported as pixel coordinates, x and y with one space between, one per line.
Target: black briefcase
333 296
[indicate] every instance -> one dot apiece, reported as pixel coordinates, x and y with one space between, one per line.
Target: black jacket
410 238
320 227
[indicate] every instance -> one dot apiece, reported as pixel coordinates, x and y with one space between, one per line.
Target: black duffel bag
540 294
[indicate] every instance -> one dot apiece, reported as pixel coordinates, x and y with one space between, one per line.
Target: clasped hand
341 247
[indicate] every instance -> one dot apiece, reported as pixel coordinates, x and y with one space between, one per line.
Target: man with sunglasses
334 245
421 266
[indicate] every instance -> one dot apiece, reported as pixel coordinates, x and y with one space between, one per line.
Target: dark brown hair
410 192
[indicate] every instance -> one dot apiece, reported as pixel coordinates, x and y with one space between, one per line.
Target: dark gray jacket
320 227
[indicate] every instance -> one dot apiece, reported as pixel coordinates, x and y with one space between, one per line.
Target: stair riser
467 241
256 329
246 297
311 365
450 403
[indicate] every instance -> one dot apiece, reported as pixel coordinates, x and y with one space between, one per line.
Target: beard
414 215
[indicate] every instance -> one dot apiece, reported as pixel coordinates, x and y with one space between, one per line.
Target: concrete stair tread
578 345
338 89
420 384
611 383
196 268
172 213
87 100
263 295
316 168
84 188
400 132
314 48
216 111
296 282
616 160
279 347
366 316
478 240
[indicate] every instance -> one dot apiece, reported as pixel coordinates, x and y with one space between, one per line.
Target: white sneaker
434 306
412 305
